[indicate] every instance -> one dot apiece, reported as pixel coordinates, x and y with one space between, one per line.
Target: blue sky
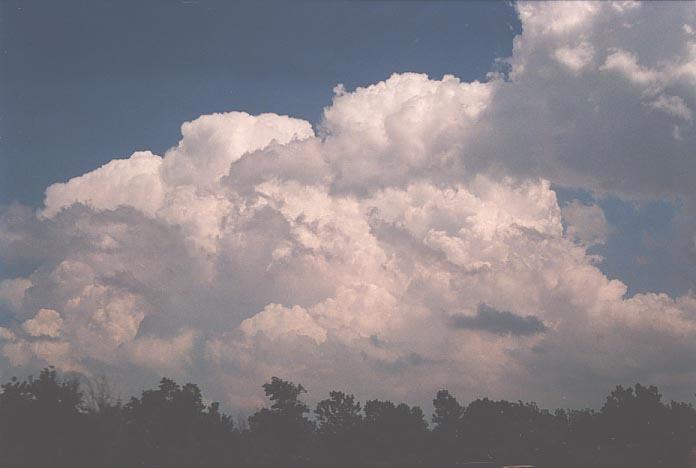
84 82
76 93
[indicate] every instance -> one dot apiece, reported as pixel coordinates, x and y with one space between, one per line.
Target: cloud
122 182
608 89
164 354
585 223
498 322
47 322
256 246
12 292
275 321
575 58
212 142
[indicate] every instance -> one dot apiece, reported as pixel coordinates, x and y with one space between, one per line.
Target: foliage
49 421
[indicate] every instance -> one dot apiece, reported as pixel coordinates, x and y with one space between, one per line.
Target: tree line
53 421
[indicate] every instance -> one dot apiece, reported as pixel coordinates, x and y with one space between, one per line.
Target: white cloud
6 334
212 142
556 18
626 64
163 354
575 58
585 223
673 105
610 128
255 247
274 321
12 291
22 353
47 322
134 182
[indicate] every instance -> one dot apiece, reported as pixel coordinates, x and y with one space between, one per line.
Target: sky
382 197
95 80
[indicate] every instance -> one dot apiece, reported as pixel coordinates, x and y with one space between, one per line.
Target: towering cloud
414 242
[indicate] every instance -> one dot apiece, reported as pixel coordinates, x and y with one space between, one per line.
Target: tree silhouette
281 434
339 422
511 432
171 427
395 434
338 415
637 428
49 422
447 412
446 435
41 423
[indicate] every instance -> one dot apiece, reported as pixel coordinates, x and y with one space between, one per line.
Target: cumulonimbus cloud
257 247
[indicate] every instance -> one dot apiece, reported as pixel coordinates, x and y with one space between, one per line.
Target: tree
99 394
448 411
338 415
104 415
48 421
171 427
636 427
339 419
41 423
510 432
281 435
446 417
395 434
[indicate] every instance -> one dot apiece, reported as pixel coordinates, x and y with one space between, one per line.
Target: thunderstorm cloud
342 256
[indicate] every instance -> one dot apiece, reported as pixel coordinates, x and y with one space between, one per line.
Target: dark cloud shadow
499 322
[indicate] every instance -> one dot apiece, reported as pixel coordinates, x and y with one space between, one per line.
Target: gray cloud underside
498 322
